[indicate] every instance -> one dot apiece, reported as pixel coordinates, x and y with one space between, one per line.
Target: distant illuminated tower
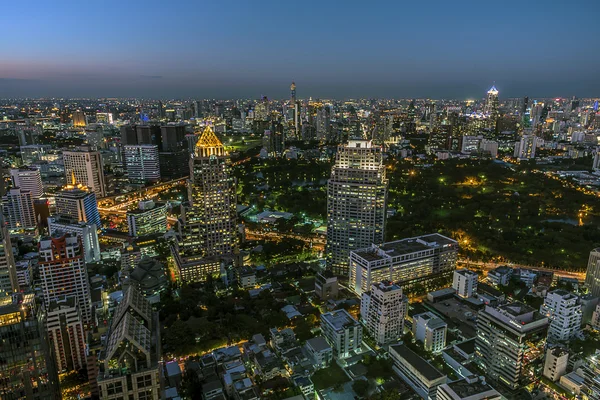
491 102
210 226
88 168
356 202
294 105
77 201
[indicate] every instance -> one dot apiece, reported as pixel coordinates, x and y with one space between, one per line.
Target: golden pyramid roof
208 139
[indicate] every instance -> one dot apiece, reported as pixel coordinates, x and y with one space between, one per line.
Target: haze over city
213 49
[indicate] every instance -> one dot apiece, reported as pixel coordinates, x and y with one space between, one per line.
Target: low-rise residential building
556 363
343 332
500 275
320 351
421 376
246 277
431 330
573 382
326 285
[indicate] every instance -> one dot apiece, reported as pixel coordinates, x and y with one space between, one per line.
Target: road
317 242
487 266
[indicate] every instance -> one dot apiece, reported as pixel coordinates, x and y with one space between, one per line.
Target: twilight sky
332 49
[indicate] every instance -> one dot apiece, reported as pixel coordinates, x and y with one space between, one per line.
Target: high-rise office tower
525 147
509 340
65 331
79 202
383 309
18 209
88 232
79 119
27 370
564 312
356 202
209 222
592 276
87 167
63 272
295 108
491 103
28 178
129 365
8 273
142 163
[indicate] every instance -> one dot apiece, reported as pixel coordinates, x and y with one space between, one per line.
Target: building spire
73 180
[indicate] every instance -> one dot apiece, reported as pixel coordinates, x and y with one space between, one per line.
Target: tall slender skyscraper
295 107
592 276
356 202
87 167
8 271
209 222
491 103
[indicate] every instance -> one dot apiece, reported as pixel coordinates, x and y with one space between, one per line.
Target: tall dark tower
294 103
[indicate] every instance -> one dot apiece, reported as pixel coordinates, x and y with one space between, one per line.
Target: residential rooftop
467 389
417 362
339 319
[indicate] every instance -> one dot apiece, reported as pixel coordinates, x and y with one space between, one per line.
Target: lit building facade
342 332
8 271
78 202
383 309
66 334
142 163
465 282
563 309
430 330
18 209
149 218
86 231
63 273
28 179
405 262
510 338
87 168
356 202
592 276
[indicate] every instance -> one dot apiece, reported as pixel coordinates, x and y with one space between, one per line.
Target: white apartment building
563 309
382 310
465 282
342 332
556 363
431 330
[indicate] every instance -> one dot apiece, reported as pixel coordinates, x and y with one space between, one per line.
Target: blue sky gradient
335 49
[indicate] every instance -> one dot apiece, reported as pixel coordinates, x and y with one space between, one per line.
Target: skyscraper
88 232
295 107
27 370
509 341
491 103
78 202
28 178
356 202
8 272
63 273
592 276
209 221
87 167
65 331
142 163
18 209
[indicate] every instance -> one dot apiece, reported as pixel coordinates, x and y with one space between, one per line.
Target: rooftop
339 319
318 343
467 389
417 362
406 246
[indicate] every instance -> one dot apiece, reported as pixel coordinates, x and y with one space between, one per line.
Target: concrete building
88 232
142 163
421 376
563 309
320 351
405 262
500 275
592 277
63 273
556 363
149 277
326 285
467 389
66 334
129 363
28 179
525 147
9 282
78 202
18 209
149 218
509 340
465 282
430 330
29 371
343 332
209 222
87 168
382 310
356 202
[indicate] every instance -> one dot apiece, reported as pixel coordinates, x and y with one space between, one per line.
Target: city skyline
245 51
